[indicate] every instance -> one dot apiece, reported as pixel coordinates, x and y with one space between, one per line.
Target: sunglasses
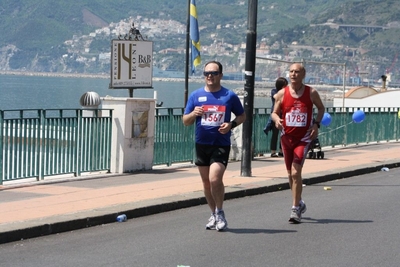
213 73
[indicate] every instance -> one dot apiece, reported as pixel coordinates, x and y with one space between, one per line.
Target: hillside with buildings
341 32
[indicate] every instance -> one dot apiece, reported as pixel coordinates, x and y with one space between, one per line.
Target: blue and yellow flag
194 36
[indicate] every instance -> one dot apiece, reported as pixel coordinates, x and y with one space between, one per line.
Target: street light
384 77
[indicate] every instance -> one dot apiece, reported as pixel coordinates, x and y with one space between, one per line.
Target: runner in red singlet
293 115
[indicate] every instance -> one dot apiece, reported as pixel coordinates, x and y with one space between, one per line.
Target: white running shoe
222 224
303 207
295 216
211 222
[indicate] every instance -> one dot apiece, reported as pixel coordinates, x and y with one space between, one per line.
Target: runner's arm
276 113
190 118
227 126
321 109
316 99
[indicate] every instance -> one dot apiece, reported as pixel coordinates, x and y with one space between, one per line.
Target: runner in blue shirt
210 108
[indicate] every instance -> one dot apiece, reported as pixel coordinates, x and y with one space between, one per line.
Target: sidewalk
32 209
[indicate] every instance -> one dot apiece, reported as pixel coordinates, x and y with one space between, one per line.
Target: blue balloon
326 119
358 116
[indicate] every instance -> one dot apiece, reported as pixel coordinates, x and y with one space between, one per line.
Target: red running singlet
297 114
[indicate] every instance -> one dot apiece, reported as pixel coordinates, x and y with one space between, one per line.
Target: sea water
38 92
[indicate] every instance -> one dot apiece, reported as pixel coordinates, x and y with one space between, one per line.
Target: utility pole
250 67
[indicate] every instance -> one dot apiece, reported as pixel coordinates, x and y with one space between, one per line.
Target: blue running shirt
218 107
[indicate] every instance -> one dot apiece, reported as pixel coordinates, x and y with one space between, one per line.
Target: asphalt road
353 224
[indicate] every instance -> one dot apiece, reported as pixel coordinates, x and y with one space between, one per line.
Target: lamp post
344 84
384 77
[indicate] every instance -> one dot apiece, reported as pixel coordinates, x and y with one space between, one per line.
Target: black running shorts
208 154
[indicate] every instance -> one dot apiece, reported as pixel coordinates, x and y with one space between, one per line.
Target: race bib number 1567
213 115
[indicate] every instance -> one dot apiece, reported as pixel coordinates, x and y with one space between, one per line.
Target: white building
369 98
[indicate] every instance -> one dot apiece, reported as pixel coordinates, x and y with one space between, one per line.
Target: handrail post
42 143
1 146
78 144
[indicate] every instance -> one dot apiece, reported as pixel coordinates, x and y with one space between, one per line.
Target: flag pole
187 56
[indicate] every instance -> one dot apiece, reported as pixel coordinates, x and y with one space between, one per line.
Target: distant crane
388 70
355 80
355 67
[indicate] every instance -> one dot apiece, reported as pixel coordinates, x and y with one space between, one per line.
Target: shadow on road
327 221
257 231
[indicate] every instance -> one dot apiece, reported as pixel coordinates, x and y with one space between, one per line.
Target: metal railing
39 143
176 144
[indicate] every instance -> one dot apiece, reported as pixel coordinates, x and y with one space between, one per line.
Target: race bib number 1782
296 118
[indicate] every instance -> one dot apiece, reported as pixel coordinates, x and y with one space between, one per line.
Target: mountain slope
34 31
40 24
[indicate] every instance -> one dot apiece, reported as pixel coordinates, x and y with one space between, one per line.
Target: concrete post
132 144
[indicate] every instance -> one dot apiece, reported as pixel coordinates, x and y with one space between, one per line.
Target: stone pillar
133 126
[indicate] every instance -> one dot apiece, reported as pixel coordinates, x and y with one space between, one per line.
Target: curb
173 203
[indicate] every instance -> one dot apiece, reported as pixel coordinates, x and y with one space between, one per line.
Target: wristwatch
317 123
233 124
